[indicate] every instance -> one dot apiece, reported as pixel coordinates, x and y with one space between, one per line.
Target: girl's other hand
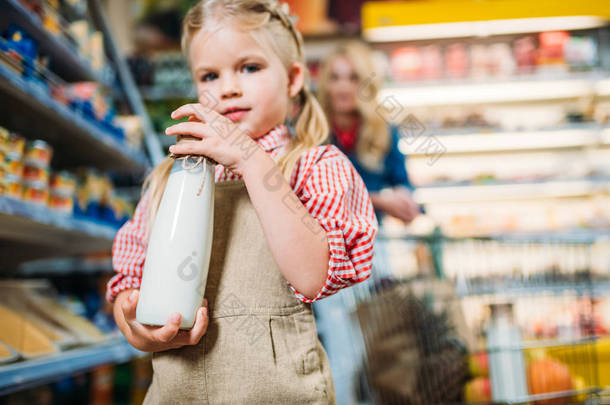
156 338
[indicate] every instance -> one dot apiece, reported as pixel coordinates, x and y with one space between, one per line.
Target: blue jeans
339 329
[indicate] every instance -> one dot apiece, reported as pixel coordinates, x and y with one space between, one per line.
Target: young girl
293 222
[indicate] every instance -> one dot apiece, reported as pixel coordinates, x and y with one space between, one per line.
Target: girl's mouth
236 114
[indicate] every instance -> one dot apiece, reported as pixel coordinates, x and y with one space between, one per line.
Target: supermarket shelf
65 60
586 236
521 89
570 236
29 231
548 139
510 191
541 289
18 376
66 265
33 112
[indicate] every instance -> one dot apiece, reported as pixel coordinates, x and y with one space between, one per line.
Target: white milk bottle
178 254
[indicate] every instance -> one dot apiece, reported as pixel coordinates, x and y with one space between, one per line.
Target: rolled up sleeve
336 197
129 252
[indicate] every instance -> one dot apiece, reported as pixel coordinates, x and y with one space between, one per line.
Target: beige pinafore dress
261 346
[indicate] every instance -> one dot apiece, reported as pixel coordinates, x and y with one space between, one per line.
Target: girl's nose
230 87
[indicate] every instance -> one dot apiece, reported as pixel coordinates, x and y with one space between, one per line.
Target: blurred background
497 291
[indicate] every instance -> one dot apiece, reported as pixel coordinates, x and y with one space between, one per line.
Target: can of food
13 165
36 193
38 153
36 174
4 136
61 203
15 145
63 182
12 187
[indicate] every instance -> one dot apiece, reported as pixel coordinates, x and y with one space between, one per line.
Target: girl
293 222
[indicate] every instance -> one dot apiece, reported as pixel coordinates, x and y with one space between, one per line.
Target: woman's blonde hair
272 19
374 137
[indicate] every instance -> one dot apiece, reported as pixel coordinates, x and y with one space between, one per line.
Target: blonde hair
374 138
273 19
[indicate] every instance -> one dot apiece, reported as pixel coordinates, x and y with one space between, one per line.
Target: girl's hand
220 138
156 338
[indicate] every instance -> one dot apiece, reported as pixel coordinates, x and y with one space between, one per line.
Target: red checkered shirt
329 187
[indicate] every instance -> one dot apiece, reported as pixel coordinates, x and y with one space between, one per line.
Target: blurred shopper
348 93
347 90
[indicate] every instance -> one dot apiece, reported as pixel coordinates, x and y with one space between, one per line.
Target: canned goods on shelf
4 135
36 174
36 193
38 153
15 145
12 186
63 183
13 165
61 202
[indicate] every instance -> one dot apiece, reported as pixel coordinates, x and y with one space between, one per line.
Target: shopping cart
482 320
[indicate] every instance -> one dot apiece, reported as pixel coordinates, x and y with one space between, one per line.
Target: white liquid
506 362
178 255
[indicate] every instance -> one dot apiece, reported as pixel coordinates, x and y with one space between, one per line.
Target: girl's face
342 86
243 79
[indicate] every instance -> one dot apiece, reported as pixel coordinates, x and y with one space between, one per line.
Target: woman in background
348 87
348 93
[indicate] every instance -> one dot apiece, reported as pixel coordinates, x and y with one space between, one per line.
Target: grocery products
407 63
7 354
547 375
23 336
506 361
13 166
35 174
548 51
457 61
478 364
477 391
38 154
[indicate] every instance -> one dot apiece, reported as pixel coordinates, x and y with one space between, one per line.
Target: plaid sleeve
335 196
129 252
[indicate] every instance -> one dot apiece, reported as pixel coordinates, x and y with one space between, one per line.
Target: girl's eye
353 78
208 77
251 68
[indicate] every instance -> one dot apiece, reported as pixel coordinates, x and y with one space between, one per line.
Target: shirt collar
278 136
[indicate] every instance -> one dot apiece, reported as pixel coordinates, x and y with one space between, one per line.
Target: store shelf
586 236
519 89
66 265
497 142
31 231
572 236
510 191
31 111
515 289
65 60
17 376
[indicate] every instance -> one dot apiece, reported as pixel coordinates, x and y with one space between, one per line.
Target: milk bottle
178 254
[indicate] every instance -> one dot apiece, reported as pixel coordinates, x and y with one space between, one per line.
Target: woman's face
342 86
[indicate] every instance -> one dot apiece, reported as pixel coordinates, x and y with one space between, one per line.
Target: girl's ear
296 78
